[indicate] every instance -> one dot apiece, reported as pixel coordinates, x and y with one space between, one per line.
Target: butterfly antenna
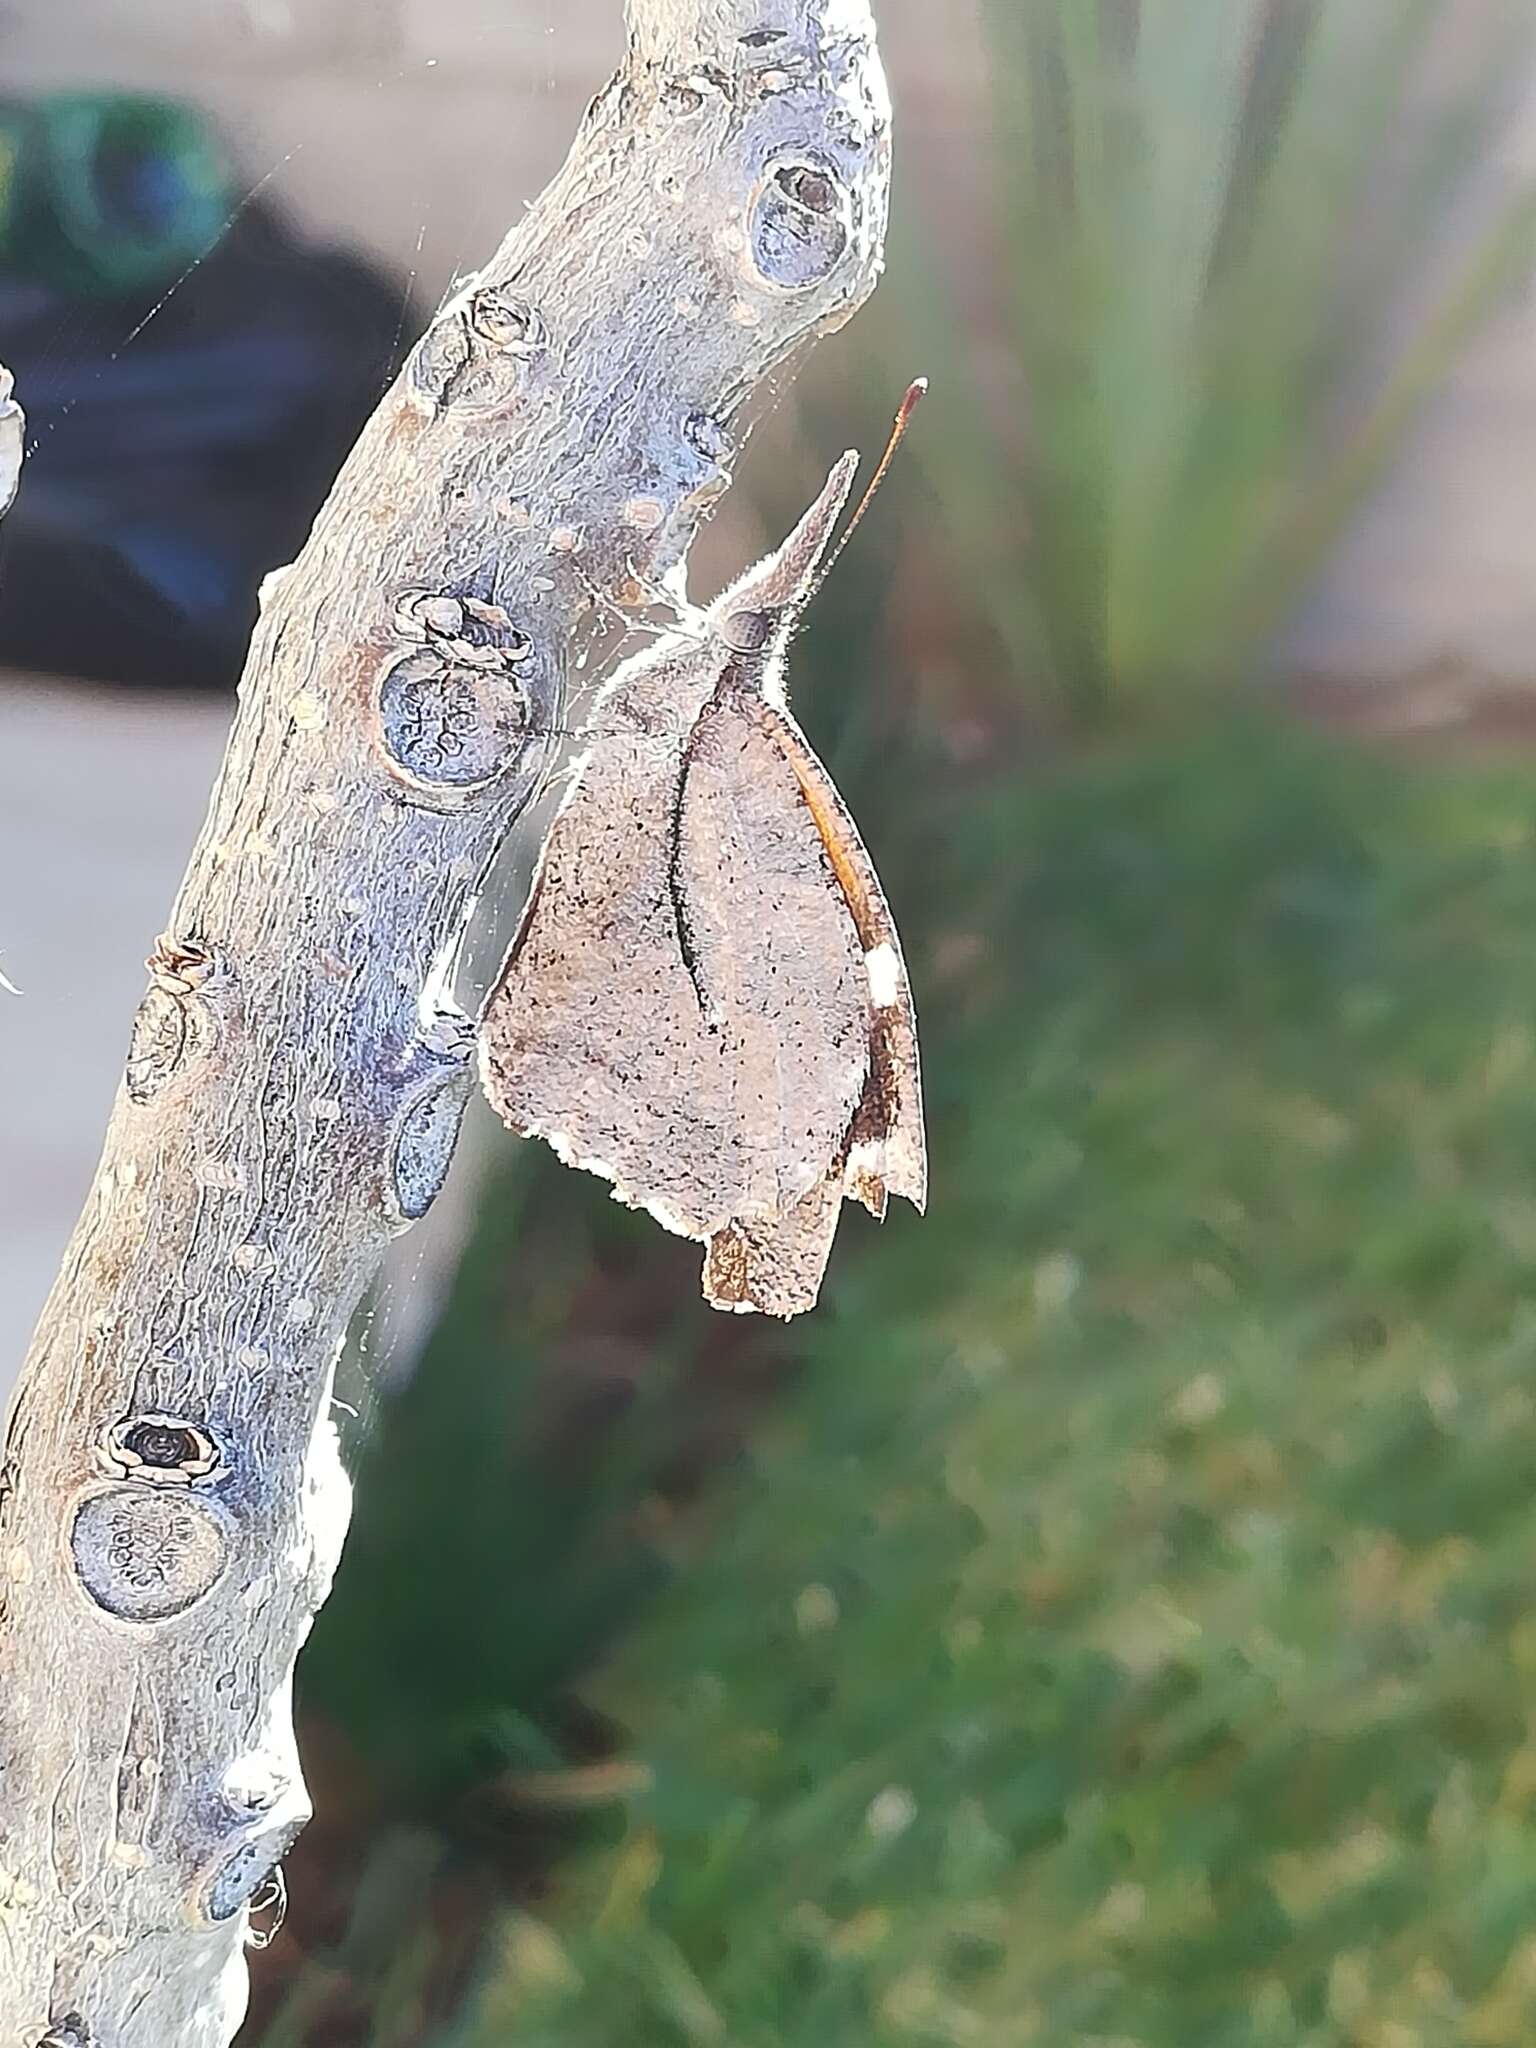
915 393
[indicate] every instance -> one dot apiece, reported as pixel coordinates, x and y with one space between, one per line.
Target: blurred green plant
1215 220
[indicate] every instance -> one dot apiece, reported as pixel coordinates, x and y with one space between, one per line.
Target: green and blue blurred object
13 125
108 194
193 375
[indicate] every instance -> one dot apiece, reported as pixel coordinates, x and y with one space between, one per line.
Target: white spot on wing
866 1157
884 971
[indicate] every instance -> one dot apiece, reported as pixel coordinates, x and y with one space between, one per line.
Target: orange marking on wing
846 862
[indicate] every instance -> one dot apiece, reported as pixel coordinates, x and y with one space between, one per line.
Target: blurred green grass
1114 1624
1122 1632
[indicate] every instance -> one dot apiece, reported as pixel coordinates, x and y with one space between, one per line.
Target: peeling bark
171 1501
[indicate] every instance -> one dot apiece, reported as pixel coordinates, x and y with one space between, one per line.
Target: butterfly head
756 614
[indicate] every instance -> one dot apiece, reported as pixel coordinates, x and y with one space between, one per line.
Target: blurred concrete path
101 795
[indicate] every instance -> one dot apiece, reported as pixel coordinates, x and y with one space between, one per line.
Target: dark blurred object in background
193 377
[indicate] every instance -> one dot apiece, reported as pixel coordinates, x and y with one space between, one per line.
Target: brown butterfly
706 1002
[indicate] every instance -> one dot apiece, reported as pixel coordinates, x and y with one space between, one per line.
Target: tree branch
172 1504
13 429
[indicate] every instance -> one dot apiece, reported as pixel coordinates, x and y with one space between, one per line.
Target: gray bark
13 428
171 1502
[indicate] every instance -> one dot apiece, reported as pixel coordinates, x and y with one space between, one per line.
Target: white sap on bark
171 1501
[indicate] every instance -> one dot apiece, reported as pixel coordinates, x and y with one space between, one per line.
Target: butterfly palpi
706 1001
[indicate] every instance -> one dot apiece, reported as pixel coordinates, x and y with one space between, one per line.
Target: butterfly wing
776 1264
774 956
705 1002
593 1037
888 1153
799 964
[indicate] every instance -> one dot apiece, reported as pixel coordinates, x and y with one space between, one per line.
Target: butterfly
705 1002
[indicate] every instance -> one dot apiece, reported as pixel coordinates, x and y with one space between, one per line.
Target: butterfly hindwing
593 1037
776 1264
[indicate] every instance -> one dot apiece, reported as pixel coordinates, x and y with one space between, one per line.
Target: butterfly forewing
888 1151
